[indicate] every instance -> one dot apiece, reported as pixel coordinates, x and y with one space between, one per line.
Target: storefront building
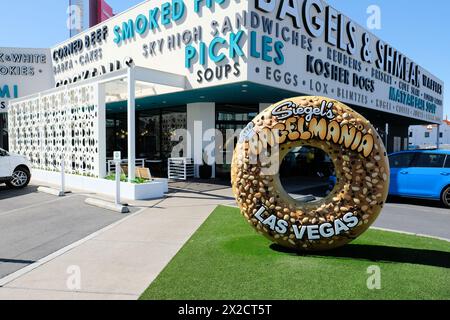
23 71
223 61
430 136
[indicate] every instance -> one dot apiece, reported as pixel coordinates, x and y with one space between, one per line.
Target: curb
52 191
411 233
107 205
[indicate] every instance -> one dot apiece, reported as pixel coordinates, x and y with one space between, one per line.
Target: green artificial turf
227 259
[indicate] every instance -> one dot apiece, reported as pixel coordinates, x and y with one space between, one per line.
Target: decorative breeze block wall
63 123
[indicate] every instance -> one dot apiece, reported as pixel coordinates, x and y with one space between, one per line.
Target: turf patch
227 259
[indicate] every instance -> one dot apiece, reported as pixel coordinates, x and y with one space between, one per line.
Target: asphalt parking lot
416 216
34 225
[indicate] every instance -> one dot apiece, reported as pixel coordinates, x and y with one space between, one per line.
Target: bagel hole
307 171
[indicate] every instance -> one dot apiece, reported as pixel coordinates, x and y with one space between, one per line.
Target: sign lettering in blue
213 51
166 14
8 92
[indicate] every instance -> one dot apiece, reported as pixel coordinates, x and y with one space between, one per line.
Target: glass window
4 130
427 134
429 160
441 134
148 135
116 134
154 131
401 160
410 134
170 122
447 163
236 113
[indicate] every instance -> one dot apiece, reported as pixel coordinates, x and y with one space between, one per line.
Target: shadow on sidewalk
380 253
6 192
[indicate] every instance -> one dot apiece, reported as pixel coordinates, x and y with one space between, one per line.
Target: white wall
201 117
131 191
23 72
418 135
61 125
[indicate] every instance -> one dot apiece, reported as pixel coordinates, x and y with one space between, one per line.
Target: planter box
131 191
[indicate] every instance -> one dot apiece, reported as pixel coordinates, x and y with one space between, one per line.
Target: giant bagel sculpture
360 162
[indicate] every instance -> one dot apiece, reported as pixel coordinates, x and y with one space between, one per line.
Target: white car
14 170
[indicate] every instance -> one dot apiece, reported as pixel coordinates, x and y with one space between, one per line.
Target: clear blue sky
417 28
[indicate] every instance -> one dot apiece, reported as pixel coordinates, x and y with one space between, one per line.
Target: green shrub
123 178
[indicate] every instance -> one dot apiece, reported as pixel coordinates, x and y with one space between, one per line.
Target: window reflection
154 131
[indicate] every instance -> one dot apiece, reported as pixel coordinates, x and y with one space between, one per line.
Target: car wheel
446 197
20 178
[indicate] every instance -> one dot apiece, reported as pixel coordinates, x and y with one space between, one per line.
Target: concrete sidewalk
121 260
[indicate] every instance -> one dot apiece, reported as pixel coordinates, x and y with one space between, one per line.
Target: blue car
421 174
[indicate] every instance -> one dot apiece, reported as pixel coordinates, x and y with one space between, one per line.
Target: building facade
428 136
236 57
23 71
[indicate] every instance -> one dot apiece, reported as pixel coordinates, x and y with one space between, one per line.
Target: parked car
14 170
421 174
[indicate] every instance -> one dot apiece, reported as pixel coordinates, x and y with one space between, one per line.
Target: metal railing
180 168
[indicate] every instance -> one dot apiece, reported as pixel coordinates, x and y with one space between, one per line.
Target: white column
201 116
131 121
101 130
42 120
264 106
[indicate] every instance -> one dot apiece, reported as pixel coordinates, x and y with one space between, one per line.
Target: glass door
229 119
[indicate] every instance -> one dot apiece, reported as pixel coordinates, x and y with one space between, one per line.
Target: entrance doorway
231 117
